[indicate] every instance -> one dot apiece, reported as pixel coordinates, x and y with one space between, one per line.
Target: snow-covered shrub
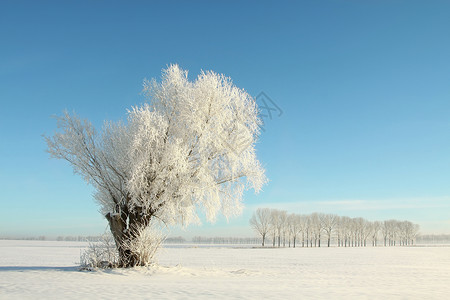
101 254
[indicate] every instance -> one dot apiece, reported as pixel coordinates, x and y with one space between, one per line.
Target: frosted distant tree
352 231
390 232
302 224
366 231
348 231
278 220
376 227
407 232
190 146
273 225
308 230
295 227
385 232
362 231
341 230
317 228
260 222
393 231
284 226
328 223
414 233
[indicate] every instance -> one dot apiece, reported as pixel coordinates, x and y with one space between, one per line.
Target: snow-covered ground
39 269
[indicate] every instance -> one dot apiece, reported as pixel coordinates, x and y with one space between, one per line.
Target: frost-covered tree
278 222
376 227
341 231
414 233
360 224
302 224
317 228
385 231
345 225
366 230
190 146
260 222
407 232
283 227
328 223
296 225
308 230
273 225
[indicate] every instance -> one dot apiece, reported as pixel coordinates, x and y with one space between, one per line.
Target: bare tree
345 229
302 224
407 232
414 233
385 232
260 222
274 225
328 223
366 231
284 227
376 227
295 226
316 228
308 230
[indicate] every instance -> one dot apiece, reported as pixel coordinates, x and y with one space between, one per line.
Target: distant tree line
225 240
28 238
433 239
175 240
284 228
80 238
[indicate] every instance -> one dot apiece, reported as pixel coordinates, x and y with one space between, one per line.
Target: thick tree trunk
123 232
118 227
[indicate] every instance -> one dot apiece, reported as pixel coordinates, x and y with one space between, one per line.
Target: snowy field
45 269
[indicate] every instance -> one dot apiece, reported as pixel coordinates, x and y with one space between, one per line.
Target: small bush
100 255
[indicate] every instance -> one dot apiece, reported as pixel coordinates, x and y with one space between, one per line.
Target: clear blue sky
364 87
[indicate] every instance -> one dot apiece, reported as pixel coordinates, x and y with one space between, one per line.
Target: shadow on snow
38 268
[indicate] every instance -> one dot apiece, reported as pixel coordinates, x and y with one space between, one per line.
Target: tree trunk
123 235
118 226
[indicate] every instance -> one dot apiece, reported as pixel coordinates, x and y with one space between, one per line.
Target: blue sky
363 86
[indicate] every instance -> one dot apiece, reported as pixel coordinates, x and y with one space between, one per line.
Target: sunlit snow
45 269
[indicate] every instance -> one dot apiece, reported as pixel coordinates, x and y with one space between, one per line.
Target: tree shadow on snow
38 268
